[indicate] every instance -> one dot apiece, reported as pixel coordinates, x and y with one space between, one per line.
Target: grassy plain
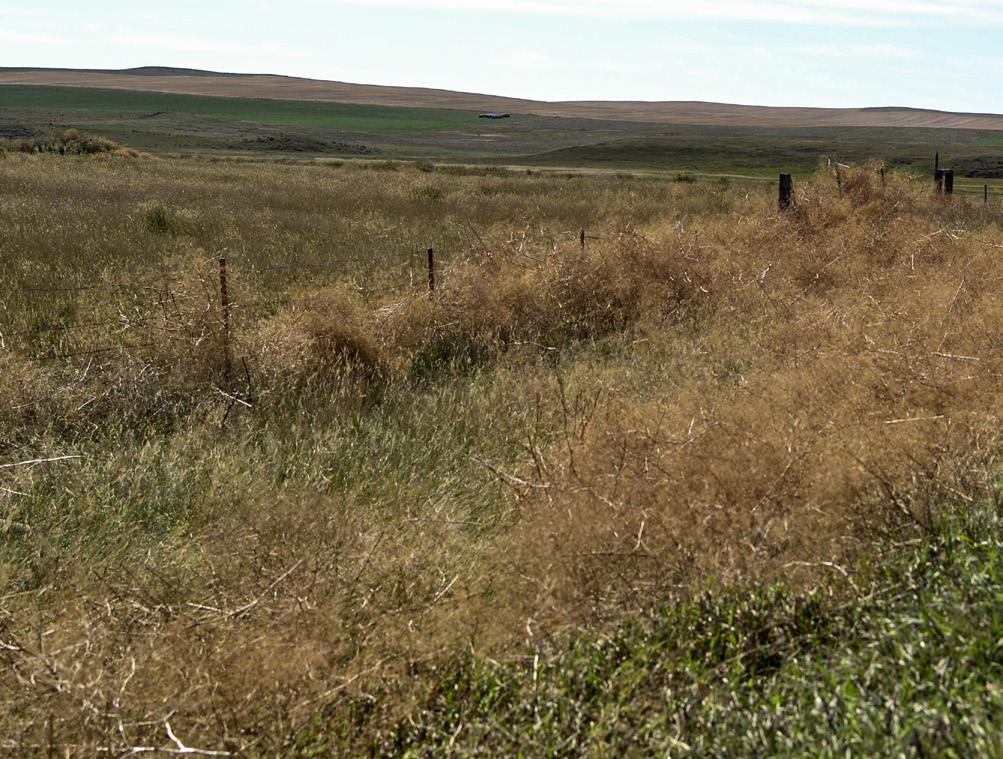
176 123
579 501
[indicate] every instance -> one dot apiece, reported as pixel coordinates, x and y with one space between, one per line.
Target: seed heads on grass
562 436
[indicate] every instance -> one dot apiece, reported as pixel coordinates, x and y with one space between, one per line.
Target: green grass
904 662
168 123
344 117
758 152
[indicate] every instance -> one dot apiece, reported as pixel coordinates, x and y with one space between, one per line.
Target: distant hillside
193 82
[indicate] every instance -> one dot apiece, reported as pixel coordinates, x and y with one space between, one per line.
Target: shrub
323 339
69 142
159 221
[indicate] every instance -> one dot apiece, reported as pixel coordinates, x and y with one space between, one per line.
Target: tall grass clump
619 496
71 142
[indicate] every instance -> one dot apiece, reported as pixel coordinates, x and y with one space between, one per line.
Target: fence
155 306
162 312
943 184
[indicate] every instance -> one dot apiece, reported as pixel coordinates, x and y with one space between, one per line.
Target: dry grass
709 391
71 142
838 378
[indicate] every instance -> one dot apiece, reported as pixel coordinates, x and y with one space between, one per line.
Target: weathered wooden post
949 181
431 272
938 175
224 299
52 734
582 238
985 194
786 199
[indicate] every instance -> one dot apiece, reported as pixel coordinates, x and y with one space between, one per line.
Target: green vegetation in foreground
908 664
343 116
546 511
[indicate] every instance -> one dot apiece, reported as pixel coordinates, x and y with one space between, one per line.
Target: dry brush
710 391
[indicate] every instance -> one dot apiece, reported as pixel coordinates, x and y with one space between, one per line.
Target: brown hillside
187 81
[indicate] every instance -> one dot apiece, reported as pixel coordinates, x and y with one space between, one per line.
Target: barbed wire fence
160 311
171 304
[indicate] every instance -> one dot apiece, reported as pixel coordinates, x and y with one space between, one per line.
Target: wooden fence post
582 238
985 194
786 199
431 271
938 181
225 304
949 182
52 733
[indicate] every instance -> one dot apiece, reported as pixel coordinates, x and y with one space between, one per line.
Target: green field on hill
189 124
130 104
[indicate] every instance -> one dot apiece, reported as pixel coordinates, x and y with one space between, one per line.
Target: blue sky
942 54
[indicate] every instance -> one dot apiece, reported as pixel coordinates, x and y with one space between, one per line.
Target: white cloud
980 66
898 52
525 59
837 12
34 38
529 60
189 44
611 66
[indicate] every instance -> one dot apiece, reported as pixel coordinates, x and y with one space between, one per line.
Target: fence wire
165 295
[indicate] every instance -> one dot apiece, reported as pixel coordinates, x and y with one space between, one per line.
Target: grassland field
722 481
173 123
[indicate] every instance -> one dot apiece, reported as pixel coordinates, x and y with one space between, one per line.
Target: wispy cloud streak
879 13
192 44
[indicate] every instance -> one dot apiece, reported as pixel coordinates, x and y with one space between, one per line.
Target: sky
938 54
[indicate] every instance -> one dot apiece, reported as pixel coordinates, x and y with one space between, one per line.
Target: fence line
992 194
167 295
69 327
81 288
90 352
164 288
333 263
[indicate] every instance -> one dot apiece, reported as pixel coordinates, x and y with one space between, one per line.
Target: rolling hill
194 82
